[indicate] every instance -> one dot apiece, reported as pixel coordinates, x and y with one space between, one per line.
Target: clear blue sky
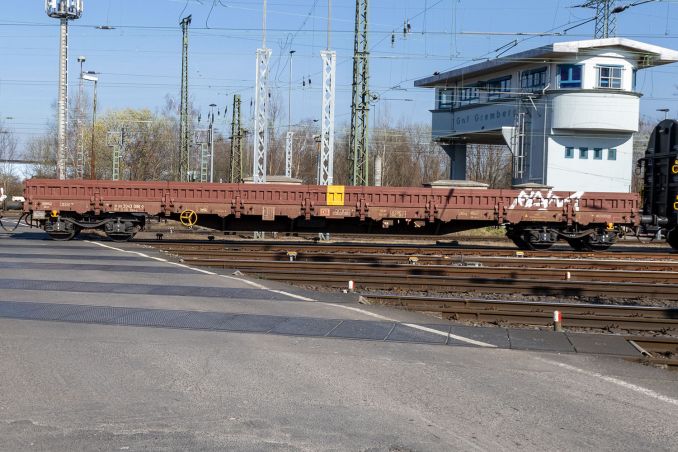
140 62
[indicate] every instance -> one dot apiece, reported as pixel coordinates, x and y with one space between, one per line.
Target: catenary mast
360 105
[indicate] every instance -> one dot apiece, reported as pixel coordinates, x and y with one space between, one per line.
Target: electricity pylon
184 132
606 20
235 173
360 105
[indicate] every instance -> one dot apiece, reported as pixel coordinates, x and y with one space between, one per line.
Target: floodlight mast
64 10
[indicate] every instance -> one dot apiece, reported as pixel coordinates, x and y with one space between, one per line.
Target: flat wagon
533 218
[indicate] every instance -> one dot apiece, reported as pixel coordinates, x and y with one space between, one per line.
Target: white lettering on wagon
536 199
128 207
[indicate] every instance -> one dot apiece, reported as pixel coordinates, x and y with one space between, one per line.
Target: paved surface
110 350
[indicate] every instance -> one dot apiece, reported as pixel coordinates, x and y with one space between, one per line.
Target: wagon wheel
120 236
188 218
62 236
584 244
579 245
524 243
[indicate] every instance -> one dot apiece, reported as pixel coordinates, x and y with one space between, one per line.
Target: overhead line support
235 173
261 103
360 104
184 128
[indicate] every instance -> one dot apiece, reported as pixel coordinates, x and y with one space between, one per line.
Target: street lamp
665 111
91 76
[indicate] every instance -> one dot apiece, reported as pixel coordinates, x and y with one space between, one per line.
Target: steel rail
324 277
663 253
215 258
358 270
657 350
638 318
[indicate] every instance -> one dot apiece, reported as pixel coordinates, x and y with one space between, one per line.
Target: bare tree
490 164
409 156
8 151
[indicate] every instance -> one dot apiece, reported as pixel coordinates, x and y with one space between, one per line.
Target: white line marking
206 272
452 336
246 281
287 294
362 311
299 297
616 381
416 327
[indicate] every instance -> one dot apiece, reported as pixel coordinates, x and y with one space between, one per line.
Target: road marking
616 381
299 297
287 294
246 281
159 259
362 311
206 272
417 327
452 336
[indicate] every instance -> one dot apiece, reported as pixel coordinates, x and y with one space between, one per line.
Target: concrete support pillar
457 153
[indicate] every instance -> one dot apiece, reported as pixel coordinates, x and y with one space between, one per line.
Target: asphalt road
78 386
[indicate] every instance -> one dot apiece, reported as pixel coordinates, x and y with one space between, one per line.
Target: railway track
366 273
435 269
537 282
661 351
620 253
656 350
216 258
606 317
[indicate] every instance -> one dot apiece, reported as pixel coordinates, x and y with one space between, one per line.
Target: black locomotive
660 190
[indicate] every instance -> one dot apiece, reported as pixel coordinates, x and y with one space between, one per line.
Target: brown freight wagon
533 218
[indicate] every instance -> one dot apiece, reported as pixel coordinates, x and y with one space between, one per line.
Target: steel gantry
360 104
261 117
184 128
235 173
327 126
329 57
261 102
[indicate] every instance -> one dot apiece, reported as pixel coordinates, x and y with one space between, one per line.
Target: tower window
597 154
569 153
610 77
445 98
612 154
583 153
569 76
534 79
499 88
